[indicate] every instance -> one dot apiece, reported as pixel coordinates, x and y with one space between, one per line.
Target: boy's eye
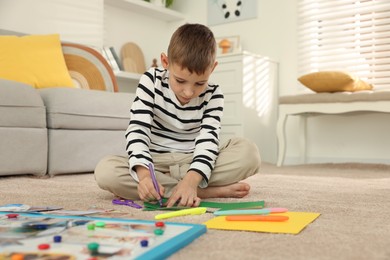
200 83
179 81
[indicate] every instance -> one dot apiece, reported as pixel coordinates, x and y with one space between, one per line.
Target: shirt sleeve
141 116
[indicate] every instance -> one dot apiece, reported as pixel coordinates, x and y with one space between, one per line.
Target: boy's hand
146 190
185 193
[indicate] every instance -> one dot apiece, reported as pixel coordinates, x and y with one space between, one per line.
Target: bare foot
235 190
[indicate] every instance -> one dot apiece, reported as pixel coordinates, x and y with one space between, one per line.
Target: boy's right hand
146 190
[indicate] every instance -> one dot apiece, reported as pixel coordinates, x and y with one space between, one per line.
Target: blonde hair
193 47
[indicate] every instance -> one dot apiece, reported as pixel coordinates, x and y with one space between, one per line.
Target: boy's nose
188 92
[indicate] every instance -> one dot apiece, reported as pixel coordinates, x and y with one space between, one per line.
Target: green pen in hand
155 184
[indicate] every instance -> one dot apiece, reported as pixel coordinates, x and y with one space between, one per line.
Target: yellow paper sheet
296 222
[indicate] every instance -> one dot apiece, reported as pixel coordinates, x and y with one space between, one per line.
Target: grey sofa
59 130
23 132
62 130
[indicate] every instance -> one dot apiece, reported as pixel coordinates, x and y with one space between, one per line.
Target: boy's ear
215 65
164 60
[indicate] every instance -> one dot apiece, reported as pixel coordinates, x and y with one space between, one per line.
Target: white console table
312 104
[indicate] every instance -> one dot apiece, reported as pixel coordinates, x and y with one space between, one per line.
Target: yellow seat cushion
36 60
333 81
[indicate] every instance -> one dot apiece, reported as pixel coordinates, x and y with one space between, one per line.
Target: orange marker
257 218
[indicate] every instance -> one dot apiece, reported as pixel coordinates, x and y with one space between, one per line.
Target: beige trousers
238 159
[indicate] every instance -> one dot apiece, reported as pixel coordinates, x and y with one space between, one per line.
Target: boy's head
192 47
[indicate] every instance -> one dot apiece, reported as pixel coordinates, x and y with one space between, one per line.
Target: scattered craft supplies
256 218
295 224
209 204
182 212
17 207
36 236
264 211
130 203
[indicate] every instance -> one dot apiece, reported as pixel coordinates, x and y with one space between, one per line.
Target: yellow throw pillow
36 60
333 81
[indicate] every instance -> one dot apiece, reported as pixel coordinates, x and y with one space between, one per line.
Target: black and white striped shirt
160 124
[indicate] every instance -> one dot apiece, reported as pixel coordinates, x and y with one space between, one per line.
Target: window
345 35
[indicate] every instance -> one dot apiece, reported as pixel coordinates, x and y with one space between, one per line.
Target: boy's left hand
185 193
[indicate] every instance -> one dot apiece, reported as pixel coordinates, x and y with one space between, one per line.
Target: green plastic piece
93 247
100 224
158 232
91 226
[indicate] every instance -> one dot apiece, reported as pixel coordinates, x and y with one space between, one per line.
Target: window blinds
345 35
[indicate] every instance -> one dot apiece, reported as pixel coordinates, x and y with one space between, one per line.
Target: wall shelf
128 75
146 8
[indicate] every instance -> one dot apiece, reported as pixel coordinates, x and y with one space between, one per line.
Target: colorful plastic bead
144 243
43 246
100 224
57 239
91 226
12 215
158 232
159 224
93 247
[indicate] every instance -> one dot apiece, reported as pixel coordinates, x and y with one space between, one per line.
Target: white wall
150 34
272 34
361 138
357 138
74 20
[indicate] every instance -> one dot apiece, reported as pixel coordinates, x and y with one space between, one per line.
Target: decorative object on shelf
163 3
132 58
108 55
225 11
88 69
116 57
158 2
154 63
227 45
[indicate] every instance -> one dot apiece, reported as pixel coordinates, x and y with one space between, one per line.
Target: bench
305 105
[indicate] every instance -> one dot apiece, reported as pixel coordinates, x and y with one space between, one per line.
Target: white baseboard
314 160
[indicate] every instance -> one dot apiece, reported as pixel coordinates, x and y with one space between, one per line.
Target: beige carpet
353 199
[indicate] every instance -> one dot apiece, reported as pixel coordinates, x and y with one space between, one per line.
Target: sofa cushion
23 150
20 106
86 109
34 59
84 149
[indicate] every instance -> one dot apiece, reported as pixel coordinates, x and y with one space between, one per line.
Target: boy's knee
250 156
103 172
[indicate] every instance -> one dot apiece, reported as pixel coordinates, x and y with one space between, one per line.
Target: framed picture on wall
228 44
226 11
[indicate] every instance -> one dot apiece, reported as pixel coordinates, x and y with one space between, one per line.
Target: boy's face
184 84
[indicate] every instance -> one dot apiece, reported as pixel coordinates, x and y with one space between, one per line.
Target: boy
175 121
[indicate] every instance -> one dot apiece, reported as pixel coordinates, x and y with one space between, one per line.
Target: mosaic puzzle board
29 234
